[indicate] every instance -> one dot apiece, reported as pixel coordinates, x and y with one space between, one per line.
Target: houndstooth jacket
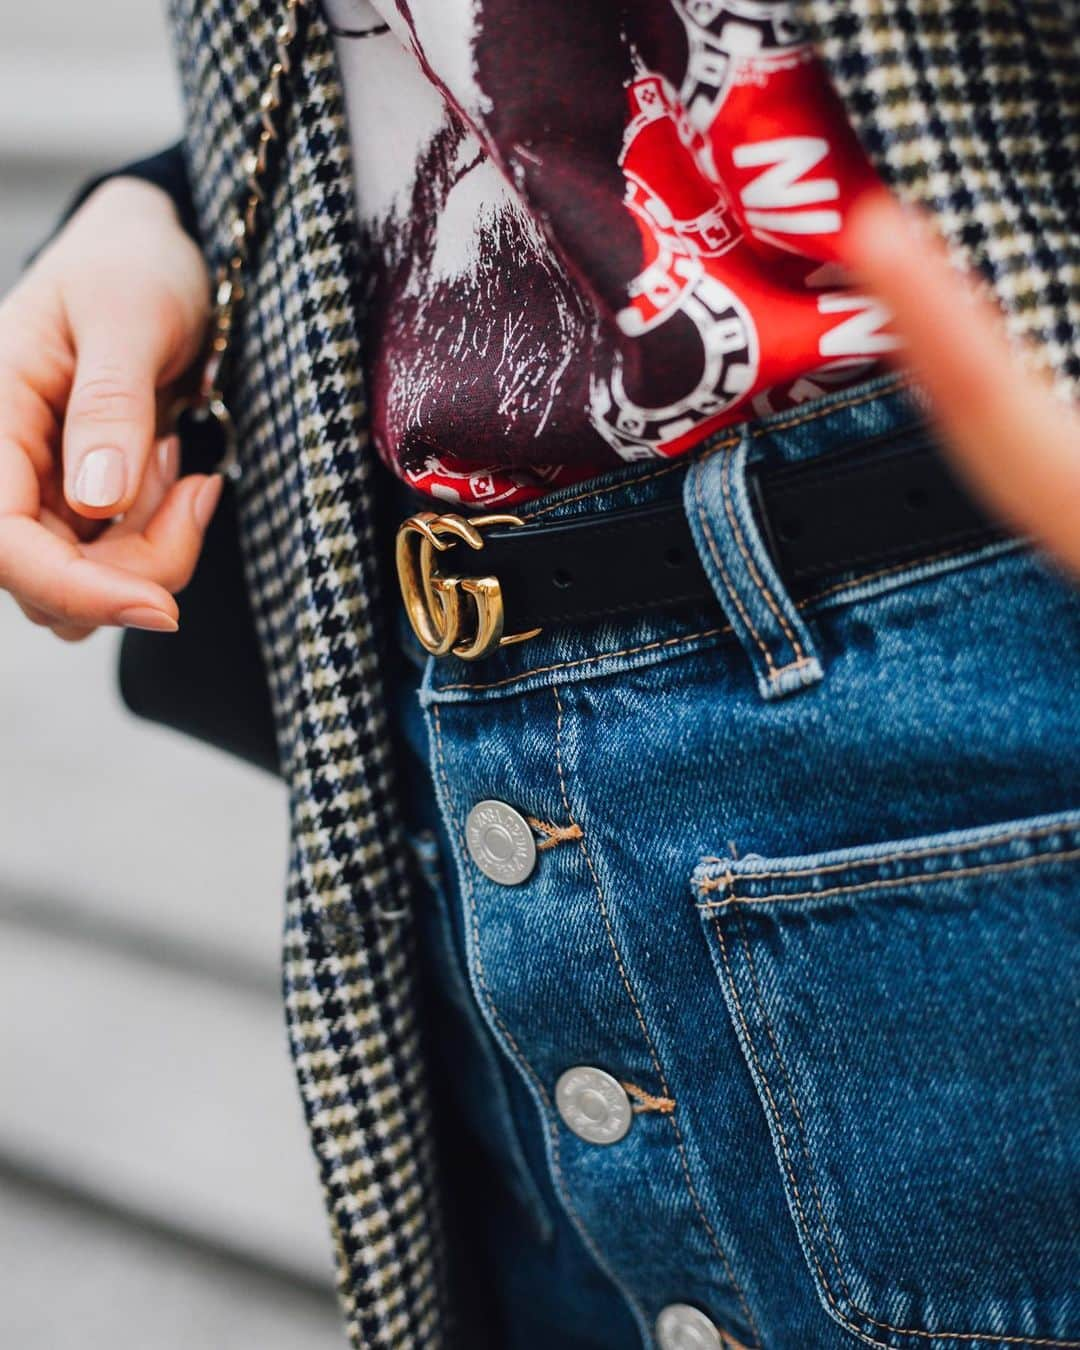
971 107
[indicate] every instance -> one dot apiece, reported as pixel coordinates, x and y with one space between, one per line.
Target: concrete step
79 1279
165 1093
124 824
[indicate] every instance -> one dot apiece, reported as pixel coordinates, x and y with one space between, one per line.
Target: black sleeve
167 170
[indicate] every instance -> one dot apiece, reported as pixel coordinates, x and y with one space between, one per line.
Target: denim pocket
910 1014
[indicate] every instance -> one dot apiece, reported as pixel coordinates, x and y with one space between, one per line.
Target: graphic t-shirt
594 233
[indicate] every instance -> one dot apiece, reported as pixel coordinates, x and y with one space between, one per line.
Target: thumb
123 355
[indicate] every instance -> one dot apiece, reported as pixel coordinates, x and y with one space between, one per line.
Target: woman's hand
92 340
1017 444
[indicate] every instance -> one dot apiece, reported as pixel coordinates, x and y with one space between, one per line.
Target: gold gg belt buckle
463 615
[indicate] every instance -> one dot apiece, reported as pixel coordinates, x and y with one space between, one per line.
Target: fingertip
168 459
165 602
869 206
881 233
147 618
206 500
120 590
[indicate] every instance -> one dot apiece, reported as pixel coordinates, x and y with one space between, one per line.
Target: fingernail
206 500
100 480
168 458
153 620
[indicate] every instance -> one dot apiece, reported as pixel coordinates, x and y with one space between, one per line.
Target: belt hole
916 499
562 578
674 557
790 529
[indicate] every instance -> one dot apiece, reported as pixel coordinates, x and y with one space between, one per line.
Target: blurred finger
1018 445
162 472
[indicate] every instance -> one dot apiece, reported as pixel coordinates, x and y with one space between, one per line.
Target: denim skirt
776 1045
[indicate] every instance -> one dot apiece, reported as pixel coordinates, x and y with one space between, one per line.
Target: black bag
207 680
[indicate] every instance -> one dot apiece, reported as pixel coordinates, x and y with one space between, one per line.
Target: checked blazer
970 107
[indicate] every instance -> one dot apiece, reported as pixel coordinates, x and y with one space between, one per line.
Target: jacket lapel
307 533
971 108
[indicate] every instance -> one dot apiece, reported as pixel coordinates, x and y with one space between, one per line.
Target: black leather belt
832 515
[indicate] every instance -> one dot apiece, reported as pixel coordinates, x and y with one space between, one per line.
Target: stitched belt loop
737 563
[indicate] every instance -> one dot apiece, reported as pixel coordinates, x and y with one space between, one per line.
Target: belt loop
738 565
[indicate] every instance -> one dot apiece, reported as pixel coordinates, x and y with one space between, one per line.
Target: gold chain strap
209 402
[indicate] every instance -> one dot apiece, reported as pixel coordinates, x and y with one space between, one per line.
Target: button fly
593 1105
681 1327
500 842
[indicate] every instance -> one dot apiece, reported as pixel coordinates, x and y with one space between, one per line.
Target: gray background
156 1188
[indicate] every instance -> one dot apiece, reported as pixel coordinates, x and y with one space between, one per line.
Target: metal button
681 1327
593 1105
500 842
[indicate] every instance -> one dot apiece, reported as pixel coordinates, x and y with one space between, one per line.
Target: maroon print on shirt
596 233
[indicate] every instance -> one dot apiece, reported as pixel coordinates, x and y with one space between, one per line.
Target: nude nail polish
100 480
206 500
168 453
143 616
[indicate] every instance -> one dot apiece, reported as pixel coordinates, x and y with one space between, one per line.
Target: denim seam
542 1092
525 1188
1007 836
826 594
803 1134
653 1053
901 382
604 915
888 883
590 660
603 491
975 1337
775 1112
736 599
767 428
755 575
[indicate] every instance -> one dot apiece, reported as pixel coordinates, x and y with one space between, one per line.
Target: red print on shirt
738 173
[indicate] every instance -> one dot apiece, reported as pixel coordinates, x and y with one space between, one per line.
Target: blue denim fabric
810 891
